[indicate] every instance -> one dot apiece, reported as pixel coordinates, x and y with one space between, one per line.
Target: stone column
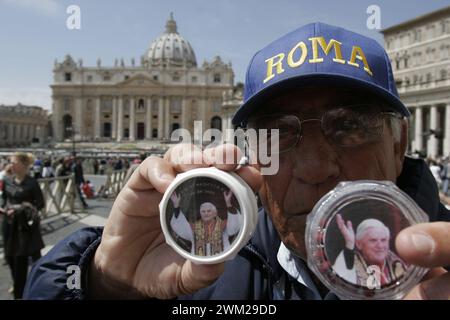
132 120
120 119
148 120
224 127
18 133
202 117
184 114
78 117
57 121
167 119
97 132
447 131
10 134
39 134
418 138
231 127
30 133
25 132
432 141
114 118
22 133
160 118
33 132
204 106
16 136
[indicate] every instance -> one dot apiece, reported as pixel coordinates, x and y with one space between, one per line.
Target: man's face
374 246
315 165
207 213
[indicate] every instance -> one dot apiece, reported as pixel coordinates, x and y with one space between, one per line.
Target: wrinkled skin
316 166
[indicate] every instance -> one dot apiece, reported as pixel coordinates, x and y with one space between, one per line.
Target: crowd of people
45 166
440 168
21 200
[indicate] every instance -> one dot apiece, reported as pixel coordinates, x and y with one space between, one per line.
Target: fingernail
423 243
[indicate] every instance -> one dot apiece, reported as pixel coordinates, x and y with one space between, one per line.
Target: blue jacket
251 275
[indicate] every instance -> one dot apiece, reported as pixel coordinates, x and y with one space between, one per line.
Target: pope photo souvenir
207 215
351 240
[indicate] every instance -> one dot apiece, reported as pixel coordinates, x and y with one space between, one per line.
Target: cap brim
317 79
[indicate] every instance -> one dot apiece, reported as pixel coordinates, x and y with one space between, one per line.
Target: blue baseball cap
318 54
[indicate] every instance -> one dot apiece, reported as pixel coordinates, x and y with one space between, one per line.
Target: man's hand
427 245
133 259
346 231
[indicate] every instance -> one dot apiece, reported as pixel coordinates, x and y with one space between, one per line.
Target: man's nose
315 159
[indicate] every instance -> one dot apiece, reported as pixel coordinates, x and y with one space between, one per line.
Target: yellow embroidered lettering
357 53
304 51
326 48
271 63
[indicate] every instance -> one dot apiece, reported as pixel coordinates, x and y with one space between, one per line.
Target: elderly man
210 234
372 261
332 94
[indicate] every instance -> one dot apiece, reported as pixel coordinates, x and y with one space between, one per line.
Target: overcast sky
33 33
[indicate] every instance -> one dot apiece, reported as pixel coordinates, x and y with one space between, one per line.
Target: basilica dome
171 48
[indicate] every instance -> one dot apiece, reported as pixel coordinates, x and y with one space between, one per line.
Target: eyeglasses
347 126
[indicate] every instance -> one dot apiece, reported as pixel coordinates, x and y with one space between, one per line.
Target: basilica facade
144 100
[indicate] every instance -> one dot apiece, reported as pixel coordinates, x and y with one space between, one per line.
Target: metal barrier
114 183
59 194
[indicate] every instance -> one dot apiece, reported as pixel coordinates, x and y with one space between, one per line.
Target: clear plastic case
350 240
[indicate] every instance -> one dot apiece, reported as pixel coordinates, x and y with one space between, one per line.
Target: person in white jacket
209 235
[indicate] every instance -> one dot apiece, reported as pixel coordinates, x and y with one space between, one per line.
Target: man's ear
400 146
358 245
